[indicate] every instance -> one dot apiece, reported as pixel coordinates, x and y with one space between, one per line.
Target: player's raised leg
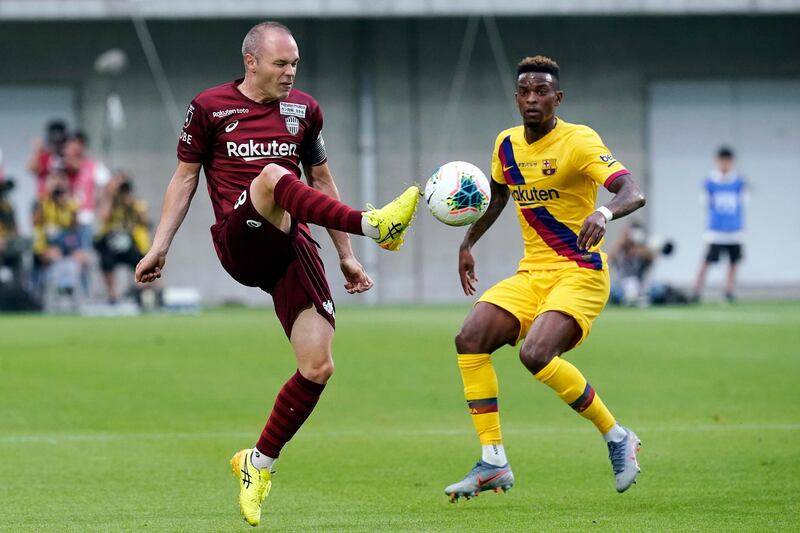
552 334
311 339
486 328
276 192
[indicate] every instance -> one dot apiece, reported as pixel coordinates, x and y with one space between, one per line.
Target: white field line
108 437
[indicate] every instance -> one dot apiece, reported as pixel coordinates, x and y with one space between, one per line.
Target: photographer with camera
11 245
57 255
124 236
631 259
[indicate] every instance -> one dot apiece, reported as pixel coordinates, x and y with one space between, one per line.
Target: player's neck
534 133
253 92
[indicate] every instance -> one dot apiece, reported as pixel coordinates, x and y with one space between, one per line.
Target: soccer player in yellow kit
551 169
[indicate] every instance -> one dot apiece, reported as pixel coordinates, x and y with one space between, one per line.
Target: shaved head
254 39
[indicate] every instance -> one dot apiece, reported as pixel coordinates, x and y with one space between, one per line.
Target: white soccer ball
457 193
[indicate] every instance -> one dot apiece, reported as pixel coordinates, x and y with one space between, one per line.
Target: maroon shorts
257 254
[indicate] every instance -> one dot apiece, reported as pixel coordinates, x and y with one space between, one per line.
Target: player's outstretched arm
627 199
177 199
356 278
466 262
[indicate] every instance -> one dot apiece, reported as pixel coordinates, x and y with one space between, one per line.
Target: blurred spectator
724 196
48 155
13 296
124 236
57 254
11 245
631 258
90 176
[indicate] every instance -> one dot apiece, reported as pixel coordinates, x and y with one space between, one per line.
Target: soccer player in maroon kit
251 137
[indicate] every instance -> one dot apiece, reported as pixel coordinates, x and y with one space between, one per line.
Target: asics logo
253 223
393 232
232 126
247 480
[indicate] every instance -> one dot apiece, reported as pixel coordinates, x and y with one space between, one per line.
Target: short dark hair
56 125
539 64
725 152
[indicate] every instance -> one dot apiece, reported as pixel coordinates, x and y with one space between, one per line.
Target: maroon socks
292 407
309 205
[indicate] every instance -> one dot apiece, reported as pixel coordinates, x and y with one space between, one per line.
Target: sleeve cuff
614 176
189 159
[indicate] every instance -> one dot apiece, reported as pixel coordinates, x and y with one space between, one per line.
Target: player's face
537 97
275 68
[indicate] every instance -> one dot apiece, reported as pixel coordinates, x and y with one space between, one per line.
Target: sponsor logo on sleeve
296 110
608 159
189 115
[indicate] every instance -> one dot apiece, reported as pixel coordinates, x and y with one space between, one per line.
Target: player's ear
559 97
250 62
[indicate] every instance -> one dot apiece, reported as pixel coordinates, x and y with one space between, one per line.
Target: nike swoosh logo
487 480
506 169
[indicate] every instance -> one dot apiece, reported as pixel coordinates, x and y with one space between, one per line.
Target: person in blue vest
724 197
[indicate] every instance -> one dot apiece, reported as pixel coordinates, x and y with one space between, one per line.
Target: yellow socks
572 387
480 390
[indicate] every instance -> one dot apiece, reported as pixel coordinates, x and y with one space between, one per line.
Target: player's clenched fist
149 268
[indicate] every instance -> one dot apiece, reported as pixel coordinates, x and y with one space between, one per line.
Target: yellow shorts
578 292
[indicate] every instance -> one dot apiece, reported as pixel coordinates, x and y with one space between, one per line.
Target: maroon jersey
235 137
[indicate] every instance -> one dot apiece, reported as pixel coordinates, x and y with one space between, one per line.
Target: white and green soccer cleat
483 476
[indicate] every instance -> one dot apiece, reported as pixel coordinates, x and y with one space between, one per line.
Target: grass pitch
128 424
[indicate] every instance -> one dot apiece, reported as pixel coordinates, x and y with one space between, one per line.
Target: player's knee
469 341
318 371
536 355
265 182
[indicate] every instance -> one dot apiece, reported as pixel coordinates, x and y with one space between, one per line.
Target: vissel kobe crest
292 125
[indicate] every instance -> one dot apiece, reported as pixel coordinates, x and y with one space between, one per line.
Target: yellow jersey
131 220
553 183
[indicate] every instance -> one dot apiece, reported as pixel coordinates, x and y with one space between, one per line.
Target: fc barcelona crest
292 125
549 167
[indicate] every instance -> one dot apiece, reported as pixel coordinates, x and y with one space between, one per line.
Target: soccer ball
457 193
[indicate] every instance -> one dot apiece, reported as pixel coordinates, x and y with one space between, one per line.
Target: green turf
127 424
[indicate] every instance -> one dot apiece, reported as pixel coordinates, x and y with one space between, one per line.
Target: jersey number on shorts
242 198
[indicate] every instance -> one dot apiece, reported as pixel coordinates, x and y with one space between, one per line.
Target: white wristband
606 212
